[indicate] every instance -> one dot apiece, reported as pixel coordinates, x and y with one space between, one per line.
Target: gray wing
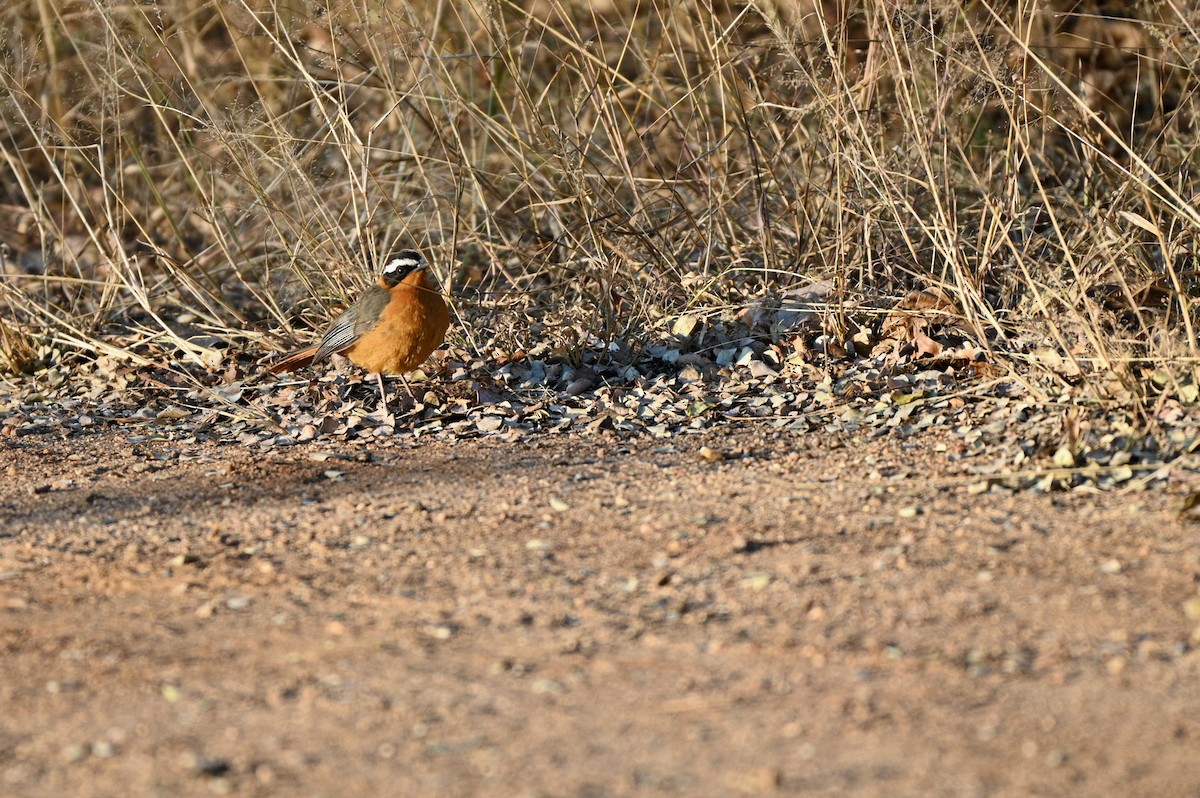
351 325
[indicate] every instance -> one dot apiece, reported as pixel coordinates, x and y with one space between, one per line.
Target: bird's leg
408 388
382 393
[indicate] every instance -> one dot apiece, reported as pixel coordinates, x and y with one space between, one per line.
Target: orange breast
410 327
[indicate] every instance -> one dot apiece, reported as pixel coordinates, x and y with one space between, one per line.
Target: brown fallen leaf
913 317
930 304
925 344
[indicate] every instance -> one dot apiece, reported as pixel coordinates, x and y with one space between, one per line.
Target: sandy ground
584 617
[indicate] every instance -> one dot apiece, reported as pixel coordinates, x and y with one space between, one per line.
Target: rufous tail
295 360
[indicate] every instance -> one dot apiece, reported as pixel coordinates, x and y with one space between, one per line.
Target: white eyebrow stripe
398 263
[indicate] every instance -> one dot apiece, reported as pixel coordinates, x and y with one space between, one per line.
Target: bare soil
574 616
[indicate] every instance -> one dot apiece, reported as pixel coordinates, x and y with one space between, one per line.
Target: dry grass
184 177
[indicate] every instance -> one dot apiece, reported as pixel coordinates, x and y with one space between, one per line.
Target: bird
390 329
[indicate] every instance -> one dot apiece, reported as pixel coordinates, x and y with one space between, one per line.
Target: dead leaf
914 316
925 344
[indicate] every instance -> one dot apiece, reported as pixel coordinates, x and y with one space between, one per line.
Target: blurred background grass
182 180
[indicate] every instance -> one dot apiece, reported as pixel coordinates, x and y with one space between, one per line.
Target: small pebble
211 766
440 632
546 686
489 424
1064 458
74 753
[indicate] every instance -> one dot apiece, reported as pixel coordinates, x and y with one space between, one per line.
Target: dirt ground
574 616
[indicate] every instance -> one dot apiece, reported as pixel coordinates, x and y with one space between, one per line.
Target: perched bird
390 329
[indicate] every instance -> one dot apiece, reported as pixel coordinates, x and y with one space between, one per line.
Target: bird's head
400 265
